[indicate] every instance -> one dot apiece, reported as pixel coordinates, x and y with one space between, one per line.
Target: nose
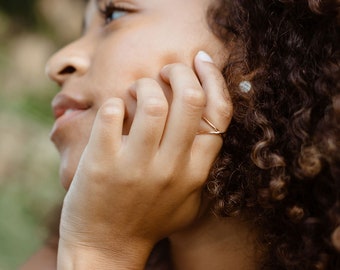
70 61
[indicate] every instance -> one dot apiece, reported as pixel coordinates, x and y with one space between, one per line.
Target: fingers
172 131
148 125
186 109
106 135
194 96
219 107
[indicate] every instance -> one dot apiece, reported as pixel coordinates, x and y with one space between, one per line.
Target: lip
66 110
68 116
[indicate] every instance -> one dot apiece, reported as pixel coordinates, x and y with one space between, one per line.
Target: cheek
142 51
133 53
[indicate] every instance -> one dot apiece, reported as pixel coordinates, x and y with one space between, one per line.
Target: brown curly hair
280 163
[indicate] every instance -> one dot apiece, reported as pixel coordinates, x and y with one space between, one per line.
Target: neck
215 243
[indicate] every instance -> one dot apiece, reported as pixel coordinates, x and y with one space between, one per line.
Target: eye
116 14
113 12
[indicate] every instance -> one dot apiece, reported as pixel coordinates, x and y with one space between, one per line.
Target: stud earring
245 86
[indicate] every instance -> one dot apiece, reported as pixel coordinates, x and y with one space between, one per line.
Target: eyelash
109 9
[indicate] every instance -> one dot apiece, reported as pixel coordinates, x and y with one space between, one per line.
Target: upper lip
62 103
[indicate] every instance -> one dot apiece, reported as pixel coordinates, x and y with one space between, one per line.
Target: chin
65 180
67 171
70 156
66 177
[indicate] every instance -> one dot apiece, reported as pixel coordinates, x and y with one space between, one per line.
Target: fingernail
203 56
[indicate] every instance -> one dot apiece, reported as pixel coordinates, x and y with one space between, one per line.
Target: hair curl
280 162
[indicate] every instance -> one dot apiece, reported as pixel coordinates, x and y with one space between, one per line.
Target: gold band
215 130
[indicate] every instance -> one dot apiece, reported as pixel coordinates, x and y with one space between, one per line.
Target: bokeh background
30 31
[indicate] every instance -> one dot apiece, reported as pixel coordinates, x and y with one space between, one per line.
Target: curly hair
280 162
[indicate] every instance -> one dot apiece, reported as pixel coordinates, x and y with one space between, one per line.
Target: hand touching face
133 93
132 190
121 44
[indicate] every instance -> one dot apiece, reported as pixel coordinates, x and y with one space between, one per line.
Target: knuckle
166 176
134 178
195 98
223 108
145 82
112 109
166 179
155 106
177 68
95 172
152 101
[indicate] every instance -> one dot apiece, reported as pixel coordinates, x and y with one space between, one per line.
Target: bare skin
126 129
43 259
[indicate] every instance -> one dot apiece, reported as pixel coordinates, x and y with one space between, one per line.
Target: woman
154 157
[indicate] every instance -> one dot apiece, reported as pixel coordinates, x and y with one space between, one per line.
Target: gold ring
215 130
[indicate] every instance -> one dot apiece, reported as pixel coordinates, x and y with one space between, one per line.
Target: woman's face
122 42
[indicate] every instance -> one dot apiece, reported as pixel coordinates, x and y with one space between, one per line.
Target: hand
131 191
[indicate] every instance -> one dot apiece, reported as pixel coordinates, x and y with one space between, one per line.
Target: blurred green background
30 31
